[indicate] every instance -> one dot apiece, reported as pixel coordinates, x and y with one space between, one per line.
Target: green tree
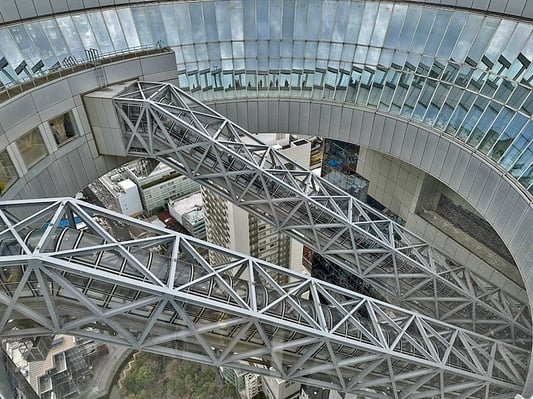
154 376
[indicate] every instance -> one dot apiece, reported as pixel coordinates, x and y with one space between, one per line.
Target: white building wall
251 236
239 231
157 196
275 388
129 201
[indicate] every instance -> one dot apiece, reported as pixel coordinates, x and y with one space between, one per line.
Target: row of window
32 148
496 120
327 33
460 72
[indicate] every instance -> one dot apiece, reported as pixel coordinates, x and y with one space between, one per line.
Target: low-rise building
119 193
158 184
188 212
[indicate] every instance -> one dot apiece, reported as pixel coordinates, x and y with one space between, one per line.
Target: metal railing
70 65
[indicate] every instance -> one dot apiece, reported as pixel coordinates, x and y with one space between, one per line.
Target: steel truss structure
161 121
161 294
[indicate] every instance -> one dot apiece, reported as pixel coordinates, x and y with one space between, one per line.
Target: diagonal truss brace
159 120
160 294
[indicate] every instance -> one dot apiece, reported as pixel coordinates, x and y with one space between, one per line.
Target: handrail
10 90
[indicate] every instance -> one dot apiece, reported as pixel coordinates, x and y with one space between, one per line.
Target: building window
31 147
8 175
63 128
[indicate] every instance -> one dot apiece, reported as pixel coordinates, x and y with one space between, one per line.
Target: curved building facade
444 87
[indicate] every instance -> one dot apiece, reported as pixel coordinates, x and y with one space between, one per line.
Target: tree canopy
154 376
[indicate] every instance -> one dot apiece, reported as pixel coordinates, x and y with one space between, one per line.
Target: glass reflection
8 174
31 148
63 128
420 62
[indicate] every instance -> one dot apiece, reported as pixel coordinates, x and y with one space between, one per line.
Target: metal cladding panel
492 184
104 122
345 123
37 188
367 128
497 202
124 70
470 174
79 86
482 4
499 6
528 9
418 148
95 3
505 214
514 203
273 116
376 134
516 7
324 123
408 142
58 186
304 116
523 242
398 138
26 8
428 154
314 118
262 122
22 189
15 113
482 174
59 5
221 107
242 112
42 7
441 153
155 65
38 167
75 158
335 122
354 134
9 10
449 163
523 234
283 117
459 169
294 117
68 174
231 109
252 115
55 109
387 135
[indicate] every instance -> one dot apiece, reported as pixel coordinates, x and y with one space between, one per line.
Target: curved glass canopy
462 73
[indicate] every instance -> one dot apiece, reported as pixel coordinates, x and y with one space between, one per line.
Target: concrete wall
398 186
394 183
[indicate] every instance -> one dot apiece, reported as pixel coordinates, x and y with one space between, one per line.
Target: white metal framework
161 294
159 120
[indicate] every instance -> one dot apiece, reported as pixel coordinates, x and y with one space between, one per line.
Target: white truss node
161 294
161 121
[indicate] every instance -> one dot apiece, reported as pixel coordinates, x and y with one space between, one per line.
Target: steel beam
161 294
159 120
